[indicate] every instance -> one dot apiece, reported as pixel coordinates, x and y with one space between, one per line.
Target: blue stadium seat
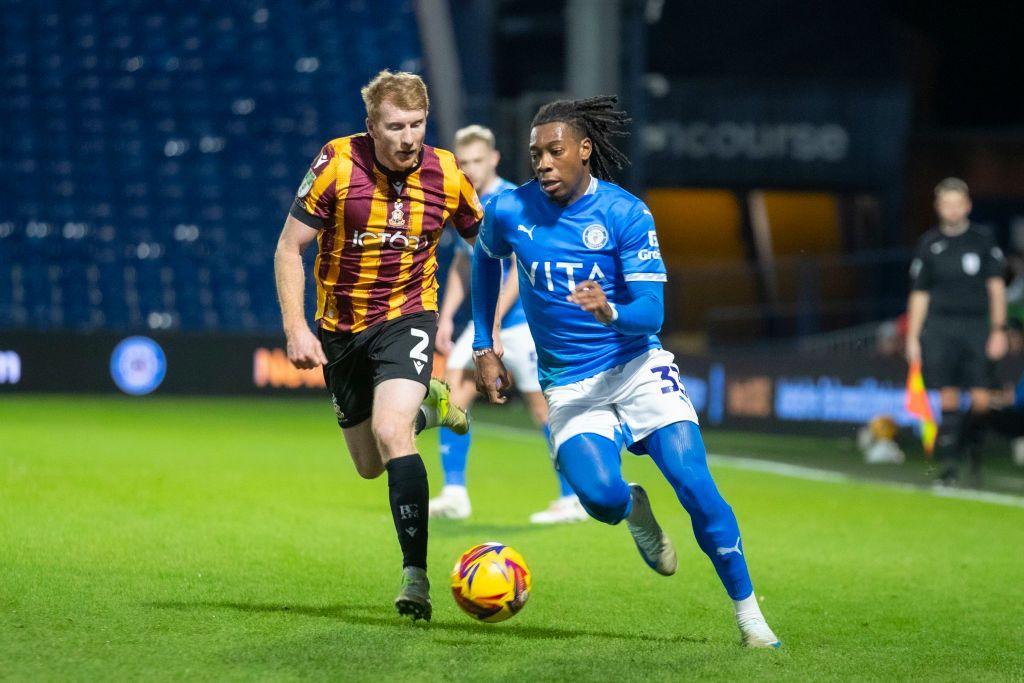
152 150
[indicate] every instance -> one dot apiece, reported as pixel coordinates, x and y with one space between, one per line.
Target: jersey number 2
419 359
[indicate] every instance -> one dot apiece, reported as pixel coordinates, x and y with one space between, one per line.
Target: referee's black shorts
953 353
402 348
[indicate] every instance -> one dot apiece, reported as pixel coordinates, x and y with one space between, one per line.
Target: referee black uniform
954 271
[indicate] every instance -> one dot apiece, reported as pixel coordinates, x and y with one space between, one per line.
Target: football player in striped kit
376 203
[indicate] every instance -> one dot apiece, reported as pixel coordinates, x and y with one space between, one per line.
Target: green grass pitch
232 539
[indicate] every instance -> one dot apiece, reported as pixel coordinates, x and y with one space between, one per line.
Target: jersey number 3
670 374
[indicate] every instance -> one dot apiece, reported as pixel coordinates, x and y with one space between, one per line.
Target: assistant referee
957 320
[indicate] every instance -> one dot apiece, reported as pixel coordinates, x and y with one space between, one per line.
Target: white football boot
453 503
754 629
564 510
654 545
755 632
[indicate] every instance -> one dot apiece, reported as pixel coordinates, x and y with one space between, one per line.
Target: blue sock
678 451
454 453
592 466
563 484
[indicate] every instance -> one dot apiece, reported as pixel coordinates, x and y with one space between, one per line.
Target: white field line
797 471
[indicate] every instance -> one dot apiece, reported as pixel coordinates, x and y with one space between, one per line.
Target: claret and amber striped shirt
379 230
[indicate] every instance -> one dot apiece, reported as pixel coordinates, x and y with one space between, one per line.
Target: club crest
397 219
595 236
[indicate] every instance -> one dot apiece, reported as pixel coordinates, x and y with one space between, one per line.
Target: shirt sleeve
486 286
994 261
921 269
645 312
491 237
638 248
317 195
468 213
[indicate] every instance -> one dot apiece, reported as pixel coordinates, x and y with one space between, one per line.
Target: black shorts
953 354
402 348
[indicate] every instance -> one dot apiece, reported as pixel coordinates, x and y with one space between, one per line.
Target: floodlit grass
211 539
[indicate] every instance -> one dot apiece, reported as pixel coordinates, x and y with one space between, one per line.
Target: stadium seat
154 154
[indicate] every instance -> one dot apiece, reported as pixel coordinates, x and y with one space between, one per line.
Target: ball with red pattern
491 582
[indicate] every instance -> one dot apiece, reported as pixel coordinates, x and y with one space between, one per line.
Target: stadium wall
755 390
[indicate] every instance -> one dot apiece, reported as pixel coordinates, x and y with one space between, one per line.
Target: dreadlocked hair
595 118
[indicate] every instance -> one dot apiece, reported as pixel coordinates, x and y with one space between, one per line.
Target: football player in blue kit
477 154
591 280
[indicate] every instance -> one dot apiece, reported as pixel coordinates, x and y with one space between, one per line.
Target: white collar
591 189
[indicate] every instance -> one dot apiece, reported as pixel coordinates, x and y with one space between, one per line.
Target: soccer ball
491 582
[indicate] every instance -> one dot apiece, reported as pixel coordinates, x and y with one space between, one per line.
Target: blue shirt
607 236
515 315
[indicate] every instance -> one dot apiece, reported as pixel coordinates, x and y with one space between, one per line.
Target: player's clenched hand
997 345
589 296
492 378
304 349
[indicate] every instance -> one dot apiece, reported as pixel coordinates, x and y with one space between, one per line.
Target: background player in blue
591 281
475 150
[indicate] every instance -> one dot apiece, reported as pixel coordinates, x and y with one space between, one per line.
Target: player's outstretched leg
678 451
395 402
592 465
407 491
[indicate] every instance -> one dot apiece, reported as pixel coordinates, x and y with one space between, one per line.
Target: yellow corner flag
917 405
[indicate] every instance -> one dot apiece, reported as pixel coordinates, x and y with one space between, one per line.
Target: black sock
420 423
948 443
974 428
975 425
408 491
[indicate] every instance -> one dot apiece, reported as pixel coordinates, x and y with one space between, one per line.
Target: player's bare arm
997 344
917 311
304 349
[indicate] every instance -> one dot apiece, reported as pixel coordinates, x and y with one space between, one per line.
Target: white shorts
520 355
631 401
